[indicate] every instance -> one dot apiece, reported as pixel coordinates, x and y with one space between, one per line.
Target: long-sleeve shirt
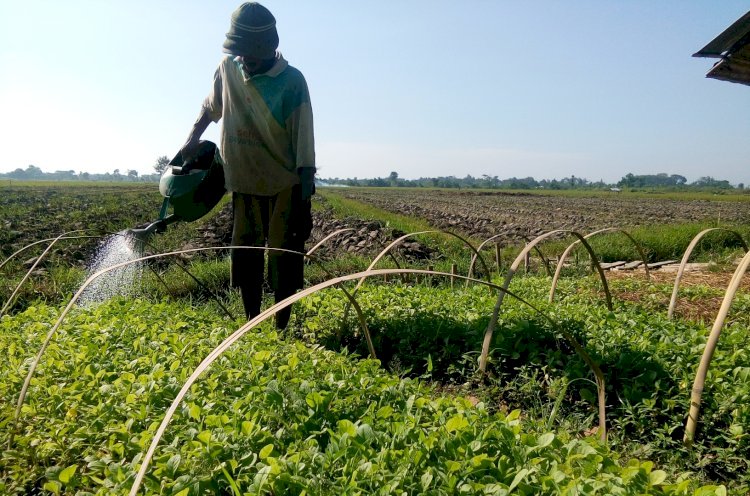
267 126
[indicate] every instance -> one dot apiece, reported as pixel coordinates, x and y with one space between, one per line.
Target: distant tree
62 175
678 179
84 175
133 174
33 172
710 182
393 178
161 164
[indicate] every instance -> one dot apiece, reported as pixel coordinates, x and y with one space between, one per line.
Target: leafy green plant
269 417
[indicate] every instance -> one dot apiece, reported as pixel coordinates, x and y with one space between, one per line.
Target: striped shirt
267 126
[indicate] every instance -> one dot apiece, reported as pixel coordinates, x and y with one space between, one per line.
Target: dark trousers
280 221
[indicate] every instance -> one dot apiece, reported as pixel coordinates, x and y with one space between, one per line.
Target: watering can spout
145 233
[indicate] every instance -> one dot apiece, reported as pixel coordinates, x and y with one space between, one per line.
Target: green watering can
192 188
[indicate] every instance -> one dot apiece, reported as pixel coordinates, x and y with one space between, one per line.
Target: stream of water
115 249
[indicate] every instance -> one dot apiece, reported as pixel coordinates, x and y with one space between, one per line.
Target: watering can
191 187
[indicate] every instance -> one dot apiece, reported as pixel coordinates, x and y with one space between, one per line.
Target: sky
591 88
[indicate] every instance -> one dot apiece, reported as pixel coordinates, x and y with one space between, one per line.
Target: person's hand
189 150
307 181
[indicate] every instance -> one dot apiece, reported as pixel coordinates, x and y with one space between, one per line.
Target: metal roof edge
734 33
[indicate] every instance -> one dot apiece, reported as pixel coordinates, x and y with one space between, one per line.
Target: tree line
629 181
34 173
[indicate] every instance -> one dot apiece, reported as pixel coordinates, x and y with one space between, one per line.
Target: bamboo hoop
527 258
13 295
396 242
570 247
493 320
686 257
509 276
708 352
122 234
18 252
325 240
479 249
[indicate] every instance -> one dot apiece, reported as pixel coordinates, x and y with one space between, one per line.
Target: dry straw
686 257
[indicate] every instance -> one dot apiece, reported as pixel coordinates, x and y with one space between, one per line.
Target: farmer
268 152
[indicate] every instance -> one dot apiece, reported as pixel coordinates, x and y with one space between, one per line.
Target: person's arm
307 181
300 126
199 127
211 111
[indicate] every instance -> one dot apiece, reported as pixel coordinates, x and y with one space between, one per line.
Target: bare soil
517 216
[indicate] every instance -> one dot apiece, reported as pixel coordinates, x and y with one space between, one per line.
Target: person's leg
289 227
247 265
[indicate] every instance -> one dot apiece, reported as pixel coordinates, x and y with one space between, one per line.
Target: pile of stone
367 238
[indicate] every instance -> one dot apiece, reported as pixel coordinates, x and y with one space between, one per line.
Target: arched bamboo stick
708 352
684 261
21 250
58 323
336 233
121 233
324 240
479 249
570 247
13 295
541 255
388 248
229 341
509 276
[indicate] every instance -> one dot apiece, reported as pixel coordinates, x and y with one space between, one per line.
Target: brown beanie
252 32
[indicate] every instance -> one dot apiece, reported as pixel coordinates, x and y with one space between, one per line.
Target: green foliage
649 362
269 417
669 242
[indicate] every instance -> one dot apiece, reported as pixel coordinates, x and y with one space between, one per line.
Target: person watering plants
267 147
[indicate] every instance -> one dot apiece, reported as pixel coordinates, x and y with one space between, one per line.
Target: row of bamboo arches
371 272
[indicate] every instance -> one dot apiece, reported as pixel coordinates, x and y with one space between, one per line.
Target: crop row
270 417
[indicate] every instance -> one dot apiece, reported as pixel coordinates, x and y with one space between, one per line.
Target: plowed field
516 216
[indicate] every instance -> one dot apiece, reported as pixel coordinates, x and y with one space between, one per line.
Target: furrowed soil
516 217
30 212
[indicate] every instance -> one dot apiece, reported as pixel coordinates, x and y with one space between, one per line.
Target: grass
669 242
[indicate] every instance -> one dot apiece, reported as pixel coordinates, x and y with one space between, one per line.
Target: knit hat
252 32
